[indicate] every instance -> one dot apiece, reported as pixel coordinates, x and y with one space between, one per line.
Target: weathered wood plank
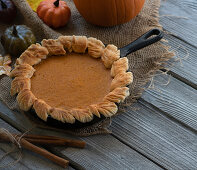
23 123
102 151
29 159
186 67
187 104
156 136
182 27
177 99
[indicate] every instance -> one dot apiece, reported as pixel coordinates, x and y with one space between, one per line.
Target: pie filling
71 81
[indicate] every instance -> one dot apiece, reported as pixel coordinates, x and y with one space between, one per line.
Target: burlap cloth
143 63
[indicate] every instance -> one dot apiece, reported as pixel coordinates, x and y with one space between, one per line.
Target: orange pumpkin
54 13
108 12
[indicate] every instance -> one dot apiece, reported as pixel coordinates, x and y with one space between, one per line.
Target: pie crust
110 56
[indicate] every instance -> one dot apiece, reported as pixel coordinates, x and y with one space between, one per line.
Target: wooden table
158 132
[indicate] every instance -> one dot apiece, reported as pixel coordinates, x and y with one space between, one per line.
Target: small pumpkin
17 39
54 13
108 12
7 11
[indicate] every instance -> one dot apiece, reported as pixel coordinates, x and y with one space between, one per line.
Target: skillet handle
142 42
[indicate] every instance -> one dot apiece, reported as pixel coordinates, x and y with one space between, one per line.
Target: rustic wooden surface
158 132
29 159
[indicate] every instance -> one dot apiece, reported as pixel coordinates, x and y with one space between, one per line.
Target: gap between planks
180 78
179 38
75 152
21 129
138 151
29 159
160 138
187 71
177 99
173 12
167 115
182 30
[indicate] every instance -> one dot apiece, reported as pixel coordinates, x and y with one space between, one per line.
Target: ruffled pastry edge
110 55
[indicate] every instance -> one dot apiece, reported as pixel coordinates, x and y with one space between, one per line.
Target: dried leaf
5 62
2 70
34 4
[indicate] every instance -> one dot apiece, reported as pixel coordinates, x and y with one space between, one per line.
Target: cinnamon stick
42 142
52 140
46 142
27 145
39 139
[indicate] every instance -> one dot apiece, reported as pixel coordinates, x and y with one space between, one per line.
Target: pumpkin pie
72 78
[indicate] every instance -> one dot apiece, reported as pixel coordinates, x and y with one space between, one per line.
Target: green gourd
16 39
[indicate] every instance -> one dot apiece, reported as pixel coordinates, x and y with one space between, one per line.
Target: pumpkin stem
3 4
56 3
15 32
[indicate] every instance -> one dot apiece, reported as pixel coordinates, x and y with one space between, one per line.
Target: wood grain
164 133
184 67
14 116
156 136
177 100
104 152
182 21
29 160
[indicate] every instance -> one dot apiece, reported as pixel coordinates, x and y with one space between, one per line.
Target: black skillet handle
142 42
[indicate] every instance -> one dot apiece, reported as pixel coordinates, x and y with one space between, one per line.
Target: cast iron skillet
145 40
